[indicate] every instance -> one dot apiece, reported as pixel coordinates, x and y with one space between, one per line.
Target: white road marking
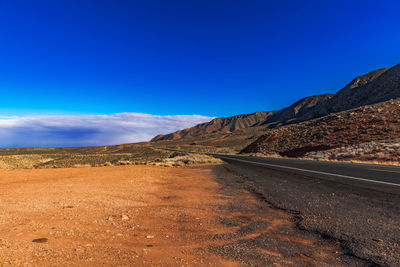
311 171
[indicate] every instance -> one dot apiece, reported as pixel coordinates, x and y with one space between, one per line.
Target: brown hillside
378 122
374 87
298 111
224 125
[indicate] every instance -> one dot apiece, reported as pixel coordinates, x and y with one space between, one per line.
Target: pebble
79 250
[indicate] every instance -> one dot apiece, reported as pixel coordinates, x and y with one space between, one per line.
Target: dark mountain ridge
374 87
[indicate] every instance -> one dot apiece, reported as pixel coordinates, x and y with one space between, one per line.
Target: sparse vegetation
129 154
23 161
188 159
384 152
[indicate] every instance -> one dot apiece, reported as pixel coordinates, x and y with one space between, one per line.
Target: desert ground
148 216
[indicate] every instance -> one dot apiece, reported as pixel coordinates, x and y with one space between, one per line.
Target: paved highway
357 205
363 173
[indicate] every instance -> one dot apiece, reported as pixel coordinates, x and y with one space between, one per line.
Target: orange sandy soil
127 215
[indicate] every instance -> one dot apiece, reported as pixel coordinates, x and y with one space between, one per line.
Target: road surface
374 175
356 205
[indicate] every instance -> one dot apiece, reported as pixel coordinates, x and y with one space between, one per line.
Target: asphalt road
357 205
374 175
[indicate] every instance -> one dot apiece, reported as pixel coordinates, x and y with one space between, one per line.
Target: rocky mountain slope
226 125
374 87
297 111
373 123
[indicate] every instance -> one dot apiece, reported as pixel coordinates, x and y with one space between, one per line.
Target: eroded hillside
373 124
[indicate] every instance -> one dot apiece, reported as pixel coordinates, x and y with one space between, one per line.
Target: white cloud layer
89 130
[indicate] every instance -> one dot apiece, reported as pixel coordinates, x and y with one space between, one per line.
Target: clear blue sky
215 58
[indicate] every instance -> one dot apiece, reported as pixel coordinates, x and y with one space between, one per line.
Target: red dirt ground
126 215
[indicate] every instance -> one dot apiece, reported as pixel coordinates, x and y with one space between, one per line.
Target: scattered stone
40 240
124 217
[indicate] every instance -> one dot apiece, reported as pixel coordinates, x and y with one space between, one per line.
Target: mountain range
374 87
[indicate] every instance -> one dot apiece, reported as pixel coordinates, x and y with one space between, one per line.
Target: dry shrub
188 159
124 162
22 161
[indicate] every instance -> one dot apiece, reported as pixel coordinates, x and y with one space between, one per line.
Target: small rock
40 240
79 250
149 236
124 217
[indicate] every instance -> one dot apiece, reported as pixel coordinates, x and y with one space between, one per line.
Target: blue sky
214 58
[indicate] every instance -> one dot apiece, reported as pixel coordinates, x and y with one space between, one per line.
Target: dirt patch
146 215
